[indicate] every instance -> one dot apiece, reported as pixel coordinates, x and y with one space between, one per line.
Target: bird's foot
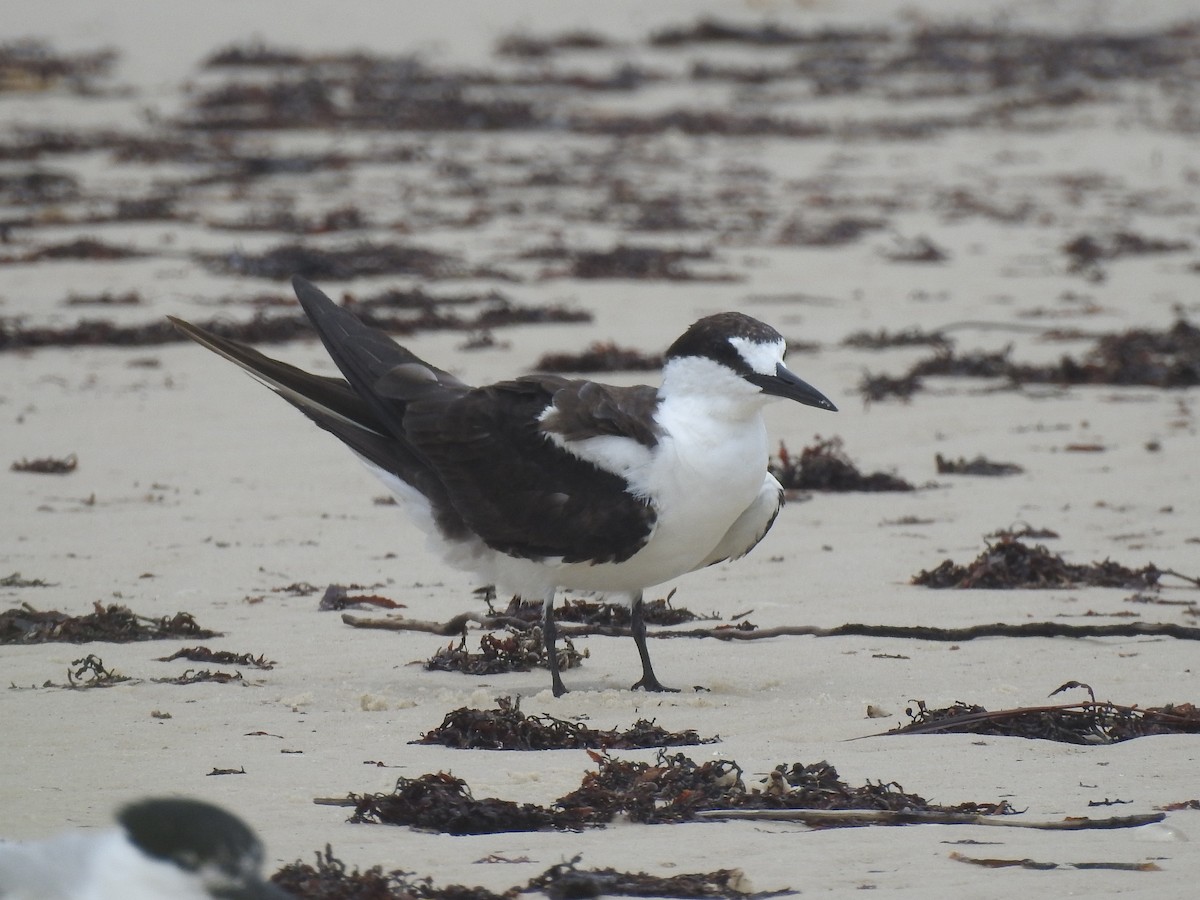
650 684
556 685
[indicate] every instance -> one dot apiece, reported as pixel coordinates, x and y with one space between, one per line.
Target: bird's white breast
703 474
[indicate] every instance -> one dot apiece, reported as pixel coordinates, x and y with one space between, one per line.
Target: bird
167 847
542 483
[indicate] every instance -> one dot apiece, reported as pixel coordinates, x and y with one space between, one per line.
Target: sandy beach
858 201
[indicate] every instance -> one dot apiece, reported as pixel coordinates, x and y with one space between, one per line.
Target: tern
542 483
167 847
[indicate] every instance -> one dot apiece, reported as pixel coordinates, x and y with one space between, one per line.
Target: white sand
208 491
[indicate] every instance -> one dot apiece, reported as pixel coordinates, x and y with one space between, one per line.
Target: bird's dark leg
549 634
637 624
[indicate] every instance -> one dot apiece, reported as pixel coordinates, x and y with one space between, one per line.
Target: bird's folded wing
516 488
751 526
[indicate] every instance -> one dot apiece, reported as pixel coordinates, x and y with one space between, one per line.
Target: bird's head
736 354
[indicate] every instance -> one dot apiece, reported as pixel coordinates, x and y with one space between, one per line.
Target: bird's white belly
700 479
698 487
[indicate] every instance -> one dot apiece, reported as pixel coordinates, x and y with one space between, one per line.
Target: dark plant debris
1025 531
743 630
200 676
33 65
47 465
525 46
515 651
37 187
261 329
113 623
220 657
337 597
1089 722
710 30
1010 563
566 881
978 364
800 232
996 863
977 466
1085 252
507 728
329 879
16 581
253 54
591 612
881 387
884 339
824 466
356 261
343 218
1008 71
1164 358
627 261
1181 804
600 356
129 298
444 804
671 789
83 248
90 672
918 250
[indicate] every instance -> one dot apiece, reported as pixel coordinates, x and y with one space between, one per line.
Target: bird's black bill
784 383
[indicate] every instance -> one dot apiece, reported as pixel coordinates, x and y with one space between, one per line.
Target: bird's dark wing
515 487
585 409
479 455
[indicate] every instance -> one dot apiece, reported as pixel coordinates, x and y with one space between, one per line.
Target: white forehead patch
762 358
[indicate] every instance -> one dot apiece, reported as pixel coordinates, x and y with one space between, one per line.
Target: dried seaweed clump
105 332
1077 723
1085 252
47 465
824 466
90 672
220 657
605 614
516 651
671 789
329 880
1009 563
263 329
884 339
628 261
444 804
980 465
566 881
526 46
114 623
600 356
30 64
1166 358
507 728
364 258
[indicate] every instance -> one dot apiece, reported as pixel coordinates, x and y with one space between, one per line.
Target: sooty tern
168 848
544 482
